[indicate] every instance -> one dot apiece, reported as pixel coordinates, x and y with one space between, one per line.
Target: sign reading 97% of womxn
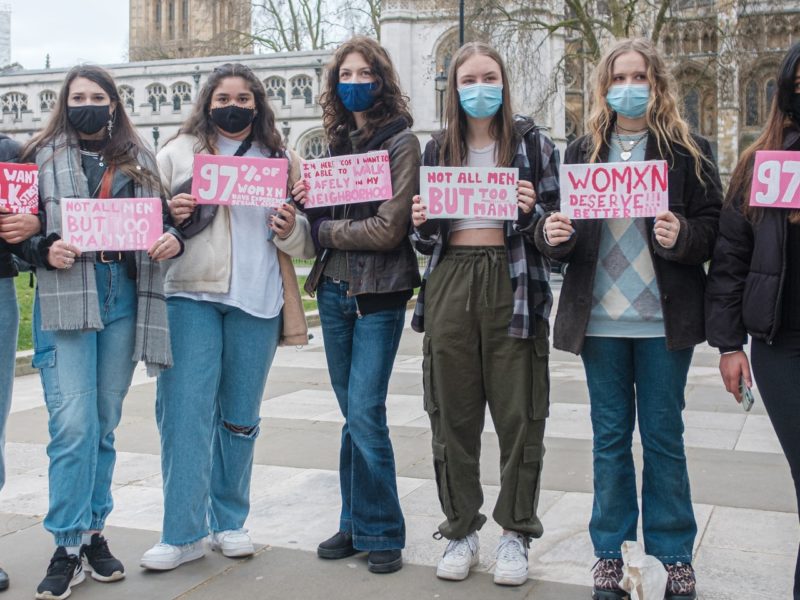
239 180
776 179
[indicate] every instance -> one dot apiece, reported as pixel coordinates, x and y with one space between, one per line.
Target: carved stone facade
161 29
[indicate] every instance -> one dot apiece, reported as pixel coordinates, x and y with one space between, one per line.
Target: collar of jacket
791 136
389 130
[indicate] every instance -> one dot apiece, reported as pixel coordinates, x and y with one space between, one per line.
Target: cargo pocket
45 361
528 472
428 396
540 374
440 466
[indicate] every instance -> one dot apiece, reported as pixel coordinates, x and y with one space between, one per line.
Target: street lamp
155 138
441 87
285 130
460 23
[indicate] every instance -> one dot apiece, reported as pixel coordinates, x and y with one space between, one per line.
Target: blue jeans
207 408
85 376
630 377
360 351
9 324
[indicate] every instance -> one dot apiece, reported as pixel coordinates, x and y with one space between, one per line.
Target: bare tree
290 25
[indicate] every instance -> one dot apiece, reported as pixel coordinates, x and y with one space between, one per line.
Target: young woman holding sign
232 298
484 307
754 282
96 314
632 307
364 274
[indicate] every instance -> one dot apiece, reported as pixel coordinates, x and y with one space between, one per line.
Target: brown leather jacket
380 258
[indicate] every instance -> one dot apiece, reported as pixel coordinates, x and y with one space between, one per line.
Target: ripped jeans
207 409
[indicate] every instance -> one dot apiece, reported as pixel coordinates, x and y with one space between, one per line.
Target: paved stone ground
746 511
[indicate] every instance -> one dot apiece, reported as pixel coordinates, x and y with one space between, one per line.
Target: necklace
626 151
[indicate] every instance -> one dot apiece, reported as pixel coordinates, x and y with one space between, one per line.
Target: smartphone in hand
747 396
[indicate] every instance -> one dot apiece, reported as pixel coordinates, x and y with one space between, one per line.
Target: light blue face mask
481 100
629 100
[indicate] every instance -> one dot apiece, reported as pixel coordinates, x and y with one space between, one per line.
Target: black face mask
794 108
89 119
232 119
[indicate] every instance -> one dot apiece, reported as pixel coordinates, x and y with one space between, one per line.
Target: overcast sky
71 31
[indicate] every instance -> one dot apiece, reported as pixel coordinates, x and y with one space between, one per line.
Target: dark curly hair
390 102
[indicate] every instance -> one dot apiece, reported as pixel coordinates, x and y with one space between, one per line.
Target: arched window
313 145
156 95
691 108
47 100
181 92
751 104
769 93
15 103
126 97
301 88
276 89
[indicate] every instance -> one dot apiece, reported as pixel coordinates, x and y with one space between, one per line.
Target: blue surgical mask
357 97
481 100
629 100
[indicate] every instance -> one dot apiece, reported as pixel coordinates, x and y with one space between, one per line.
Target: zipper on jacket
776 324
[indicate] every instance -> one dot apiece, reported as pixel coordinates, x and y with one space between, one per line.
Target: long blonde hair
664 120
454 146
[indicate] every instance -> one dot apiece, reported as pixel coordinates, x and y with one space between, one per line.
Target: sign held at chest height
111 223
239 180
348 179
469 192
614 190
776 179
19 188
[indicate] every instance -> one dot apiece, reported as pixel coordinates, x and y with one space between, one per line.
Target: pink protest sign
469 192
348 179
614 190
239 180
776 179
19 188
111 223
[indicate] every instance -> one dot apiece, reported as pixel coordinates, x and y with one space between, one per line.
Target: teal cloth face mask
481 100
628 100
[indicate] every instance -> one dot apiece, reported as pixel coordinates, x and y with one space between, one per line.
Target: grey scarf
68 297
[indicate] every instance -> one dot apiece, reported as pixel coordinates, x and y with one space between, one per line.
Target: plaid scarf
529 270
68 297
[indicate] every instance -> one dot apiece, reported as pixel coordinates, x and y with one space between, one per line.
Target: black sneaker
64 571
99 561
3 580
384 561
338 546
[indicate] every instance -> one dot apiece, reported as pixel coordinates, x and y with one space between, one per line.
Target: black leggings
777 372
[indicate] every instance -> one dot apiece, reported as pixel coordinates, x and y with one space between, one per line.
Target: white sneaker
460 555
232 542
512 560
164 557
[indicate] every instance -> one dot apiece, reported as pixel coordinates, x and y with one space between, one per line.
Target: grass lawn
25 299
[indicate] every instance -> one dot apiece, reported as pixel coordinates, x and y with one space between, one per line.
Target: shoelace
510 547
100 550
458 547
60 563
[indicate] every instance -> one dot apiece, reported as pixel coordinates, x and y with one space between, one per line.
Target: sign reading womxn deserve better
469 192
19 188
239 180
614 190
111 223
776 179
348 179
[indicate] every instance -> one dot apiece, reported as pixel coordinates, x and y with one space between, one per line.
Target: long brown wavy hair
390 102
780 118
664 120
122 149
199 123
454 148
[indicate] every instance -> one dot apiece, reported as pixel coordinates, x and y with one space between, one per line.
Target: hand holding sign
418 211
558 229
181 207
62 255
666 229
776 179
16 228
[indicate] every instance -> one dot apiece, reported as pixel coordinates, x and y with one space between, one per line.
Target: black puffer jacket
679 270
9 152
746 279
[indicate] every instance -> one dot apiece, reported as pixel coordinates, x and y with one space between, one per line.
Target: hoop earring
110 126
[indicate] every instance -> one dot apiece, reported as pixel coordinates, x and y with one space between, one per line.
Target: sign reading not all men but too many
614 190
19 188
239 180
469 192
776 179
93 224
347 179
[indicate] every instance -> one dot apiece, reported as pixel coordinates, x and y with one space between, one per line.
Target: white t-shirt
479 157
256 285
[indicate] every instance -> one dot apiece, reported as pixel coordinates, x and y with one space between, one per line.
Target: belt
106 256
